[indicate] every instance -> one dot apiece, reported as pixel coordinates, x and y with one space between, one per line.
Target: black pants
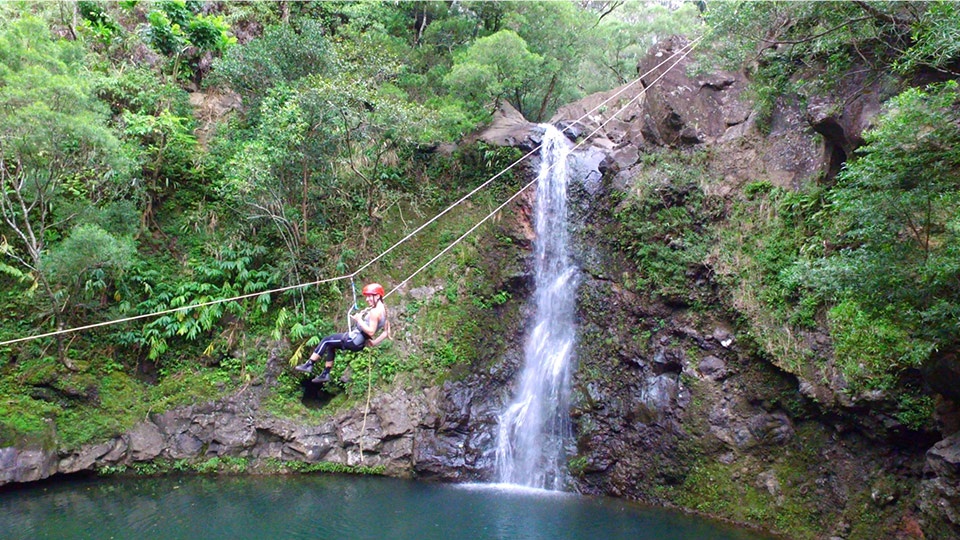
332 343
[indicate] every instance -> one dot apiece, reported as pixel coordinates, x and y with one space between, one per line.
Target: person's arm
383 335
370 327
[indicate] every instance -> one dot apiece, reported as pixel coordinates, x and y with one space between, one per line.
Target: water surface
330 506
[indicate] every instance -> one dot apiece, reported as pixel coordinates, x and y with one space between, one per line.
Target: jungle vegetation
161 154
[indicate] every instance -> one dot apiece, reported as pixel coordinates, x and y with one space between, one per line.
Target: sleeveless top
366 320
380 323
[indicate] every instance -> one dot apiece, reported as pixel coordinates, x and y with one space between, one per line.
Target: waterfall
535 430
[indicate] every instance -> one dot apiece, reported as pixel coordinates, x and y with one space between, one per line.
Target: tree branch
816 36
879 15
609 10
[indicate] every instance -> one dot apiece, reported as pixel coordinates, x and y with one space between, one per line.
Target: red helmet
374 288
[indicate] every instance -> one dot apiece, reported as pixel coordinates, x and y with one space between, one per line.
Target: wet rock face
26 464
843 115
941 490
653 381
384 437
660 388
457 438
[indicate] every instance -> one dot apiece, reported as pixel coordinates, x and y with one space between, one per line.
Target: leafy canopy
494 68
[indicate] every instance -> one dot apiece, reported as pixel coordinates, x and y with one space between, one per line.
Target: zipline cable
688 47
172 310
534 181
683 51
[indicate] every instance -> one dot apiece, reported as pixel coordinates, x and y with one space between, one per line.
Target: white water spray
535 428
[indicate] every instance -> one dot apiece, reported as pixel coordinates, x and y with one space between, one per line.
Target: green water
329 506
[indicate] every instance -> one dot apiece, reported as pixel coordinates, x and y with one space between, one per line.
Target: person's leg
327 347
328 351
345 342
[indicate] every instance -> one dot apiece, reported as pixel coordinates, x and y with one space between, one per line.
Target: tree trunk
546 98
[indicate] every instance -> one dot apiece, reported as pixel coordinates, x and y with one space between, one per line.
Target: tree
936 43
557 32
271 173
57 154
897 209
317 168
495 68
281 56
177 29
623 36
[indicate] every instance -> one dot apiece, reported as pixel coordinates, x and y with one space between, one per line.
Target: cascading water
535 428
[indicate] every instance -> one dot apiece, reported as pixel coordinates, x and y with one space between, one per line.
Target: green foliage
24 420
57 147
177 24
895 213
804 47
578 465
51 121
163 35
100 22
664 232
140 91
119 405
278 58
222 465
178 30
916 411
494 68
868 257
771 231
168 147
369 367
709 488
332 467
88 261
870 350
234 272
935 39
623 37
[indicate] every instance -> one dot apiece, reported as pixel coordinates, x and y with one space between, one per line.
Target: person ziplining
367 322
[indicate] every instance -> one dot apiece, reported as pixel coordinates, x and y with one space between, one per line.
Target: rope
534 181
683 51
688 47
353 288
363 428
173 310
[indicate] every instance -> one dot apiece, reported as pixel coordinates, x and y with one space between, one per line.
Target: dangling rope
366 410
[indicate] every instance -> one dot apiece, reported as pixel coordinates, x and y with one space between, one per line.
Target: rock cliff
675 402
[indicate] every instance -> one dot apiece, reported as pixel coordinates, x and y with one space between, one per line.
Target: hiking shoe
322 378
305 368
